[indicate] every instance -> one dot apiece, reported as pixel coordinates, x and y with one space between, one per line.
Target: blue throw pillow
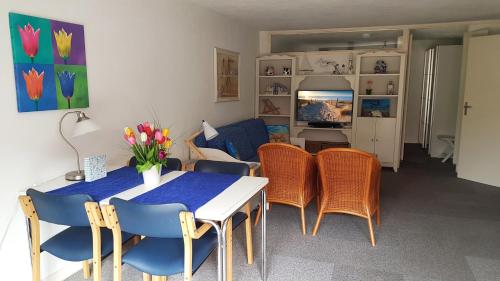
232 150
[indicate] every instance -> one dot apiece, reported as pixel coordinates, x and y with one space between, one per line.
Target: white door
365 134
384 140
479 151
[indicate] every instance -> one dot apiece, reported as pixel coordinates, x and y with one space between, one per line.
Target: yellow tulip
63 41
165 132
128 131
168 144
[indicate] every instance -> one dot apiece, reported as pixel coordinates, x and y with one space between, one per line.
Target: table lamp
209 131
82 126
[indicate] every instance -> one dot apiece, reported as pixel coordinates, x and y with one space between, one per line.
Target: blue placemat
115 182
191 189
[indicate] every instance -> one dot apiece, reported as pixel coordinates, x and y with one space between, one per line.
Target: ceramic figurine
380 67
287 71
270 70
390 88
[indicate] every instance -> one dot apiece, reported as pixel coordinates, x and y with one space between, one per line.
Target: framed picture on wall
49 63
226 75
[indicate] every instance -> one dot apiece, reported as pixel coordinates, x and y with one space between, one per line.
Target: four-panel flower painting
49 63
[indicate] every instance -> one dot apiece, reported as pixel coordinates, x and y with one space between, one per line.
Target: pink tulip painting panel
31 39
49 63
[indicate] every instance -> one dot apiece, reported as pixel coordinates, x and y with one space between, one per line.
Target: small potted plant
150 149
369 89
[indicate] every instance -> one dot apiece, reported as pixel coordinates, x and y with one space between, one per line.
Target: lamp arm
66 140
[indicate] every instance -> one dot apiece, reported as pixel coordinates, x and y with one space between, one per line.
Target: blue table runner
191 189
115 182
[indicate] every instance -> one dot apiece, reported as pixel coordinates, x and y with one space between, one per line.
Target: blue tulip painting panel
49 63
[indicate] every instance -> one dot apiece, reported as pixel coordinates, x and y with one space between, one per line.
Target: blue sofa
246 136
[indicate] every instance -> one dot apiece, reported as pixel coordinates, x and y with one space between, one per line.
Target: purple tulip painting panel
49 63
68 41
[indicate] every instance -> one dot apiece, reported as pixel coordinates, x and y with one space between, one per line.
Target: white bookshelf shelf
379 96
275 115
275 76
323 129
267 95
379 74
327 75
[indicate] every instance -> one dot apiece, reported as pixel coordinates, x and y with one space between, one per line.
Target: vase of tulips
150 149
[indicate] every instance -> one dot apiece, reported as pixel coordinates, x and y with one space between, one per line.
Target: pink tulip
30 39
162 155
131 140
140 128
158 135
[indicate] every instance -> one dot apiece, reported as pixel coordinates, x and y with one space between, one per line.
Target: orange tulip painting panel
49 63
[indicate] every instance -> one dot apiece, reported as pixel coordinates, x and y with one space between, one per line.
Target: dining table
216 210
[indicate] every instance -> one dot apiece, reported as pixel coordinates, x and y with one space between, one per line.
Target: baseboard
64 272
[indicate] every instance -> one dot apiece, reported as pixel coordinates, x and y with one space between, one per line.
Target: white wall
141 58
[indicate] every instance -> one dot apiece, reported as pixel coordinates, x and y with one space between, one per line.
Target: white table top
218 209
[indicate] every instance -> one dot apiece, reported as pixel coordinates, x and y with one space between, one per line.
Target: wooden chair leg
318 221
303 220
159 278
248 234
146 277
257 218
229 250
370 227
30 213
86 269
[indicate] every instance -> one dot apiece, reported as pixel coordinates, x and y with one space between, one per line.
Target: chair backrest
349 178
221 167
161 221
289 169
173 164
60 209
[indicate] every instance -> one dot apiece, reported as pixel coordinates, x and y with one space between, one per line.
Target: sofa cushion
200 140
238 137
256 131
231 149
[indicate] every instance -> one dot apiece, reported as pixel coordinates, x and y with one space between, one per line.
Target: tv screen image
325 106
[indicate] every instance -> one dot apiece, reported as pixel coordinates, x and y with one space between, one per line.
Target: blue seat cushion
256 131
165 256
75 243
254 159
238 137
238 218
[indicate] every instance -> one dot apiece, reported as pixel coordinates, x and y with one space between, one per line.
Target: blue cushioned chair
75 243
173 164
242 169
167 247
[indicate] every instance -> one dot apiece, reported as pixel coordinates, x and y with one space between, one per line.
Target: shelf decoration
380 67
369 89
270 108
227 79
49 63
278 133
375 108
390 88
270 70
305 66
277 89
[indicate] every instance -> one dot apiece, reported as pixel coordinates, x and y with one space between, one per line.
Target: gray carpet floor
434 227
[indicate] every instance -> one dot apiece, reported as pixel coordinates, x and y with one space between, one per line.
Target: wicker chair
350 184
292 176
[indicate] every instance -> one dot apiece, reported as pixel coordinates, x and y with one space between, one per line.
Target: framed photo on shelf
226 75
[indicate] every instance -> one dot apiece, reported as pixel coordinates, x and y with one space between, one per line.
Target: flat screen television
325 106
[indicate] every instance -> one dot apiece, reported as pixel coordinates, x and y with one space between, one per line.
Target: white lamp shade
84 127
210 132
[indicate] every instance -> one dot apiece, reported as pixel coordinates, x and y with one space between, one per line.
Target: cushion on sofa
200 140
238 137
256 131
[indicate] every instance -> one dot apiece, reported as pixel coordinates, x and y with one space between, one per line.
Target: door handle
466 107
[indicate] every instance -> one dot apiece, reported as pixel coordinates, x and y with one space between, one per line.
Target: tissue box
95 167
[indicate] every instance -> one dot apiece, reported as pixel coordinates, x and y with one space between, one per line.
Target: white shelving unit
264 85
379 135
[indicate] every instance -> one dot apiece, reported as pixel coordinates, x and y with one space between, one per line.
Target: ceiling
307 14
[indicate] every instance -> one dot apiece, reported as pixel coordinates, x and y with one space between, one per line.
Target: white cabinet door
384 139
365 134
